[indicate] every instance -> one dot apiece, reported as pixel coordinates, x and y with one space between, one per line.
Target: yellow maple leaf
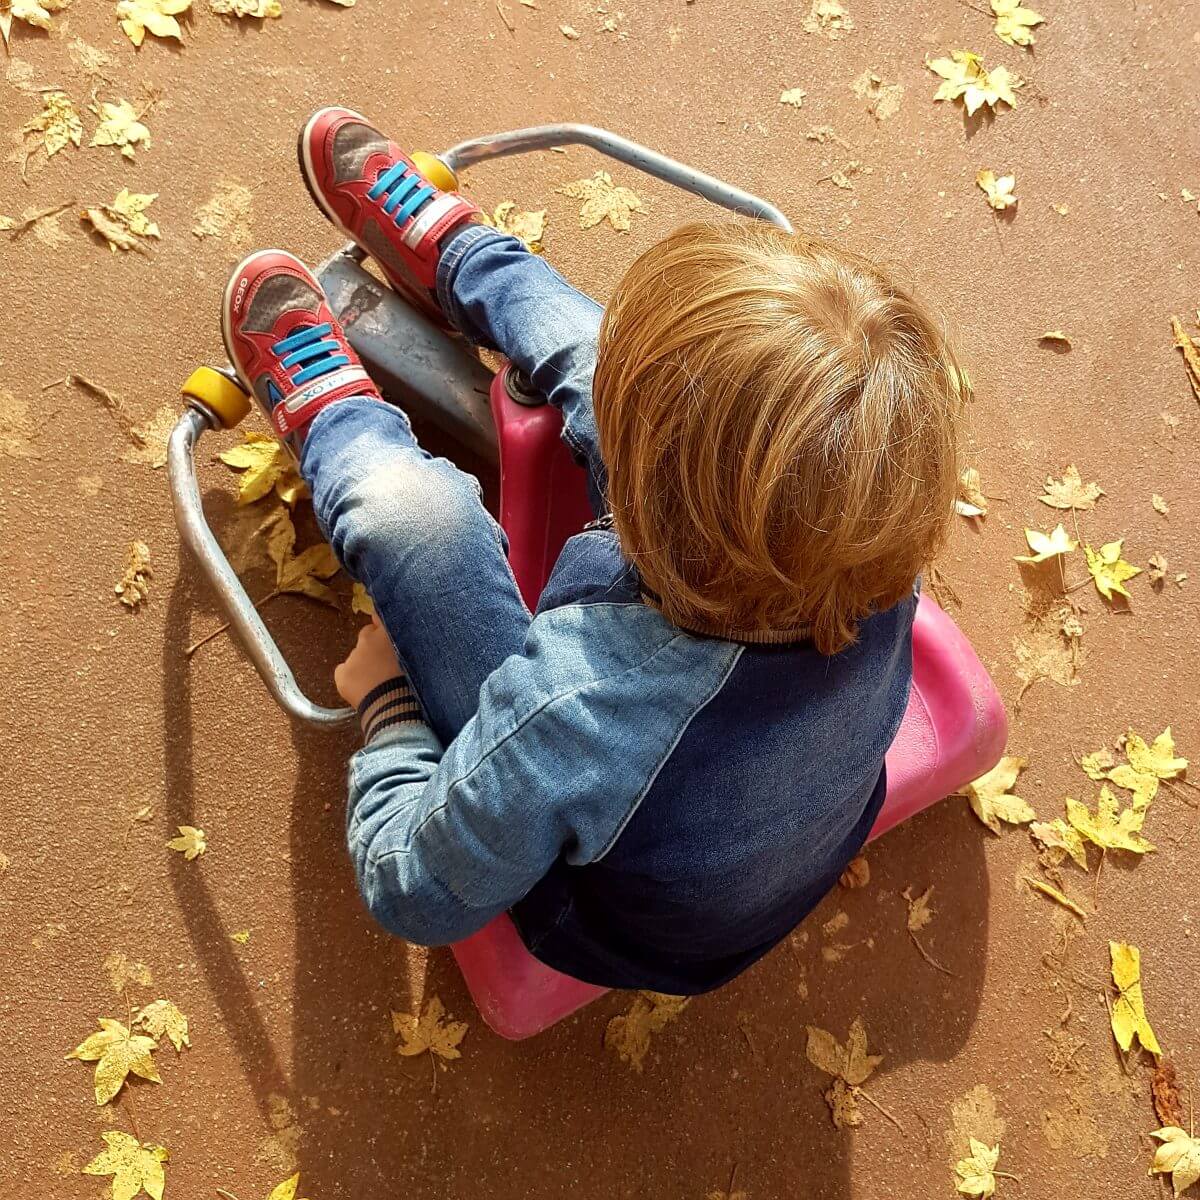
134 1167
32 12
1061 840
1157 759
964 77
247 8
1070 491
1097 765
1109 570
1129 1007
1045 546
1015 23
851 1066
529 227
603 200
119 126
139 17
990 798
266 465
997 189
58 124
1142 784
629 1034
976 1174
300 574
828 17
191 842
1177 1156
117 1053
287 1189
1107 828
162 1017
133 588
124 223
429 1032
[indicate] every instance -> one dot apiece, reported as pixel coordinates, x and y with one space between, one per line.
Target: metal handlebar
431 366
632 154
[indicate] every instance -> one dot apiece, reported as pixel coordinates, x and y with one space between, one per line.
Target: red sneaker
286 345
372 192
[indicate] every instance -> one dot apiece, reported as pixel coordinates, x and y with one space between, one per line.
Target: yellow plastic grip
435 171
218 393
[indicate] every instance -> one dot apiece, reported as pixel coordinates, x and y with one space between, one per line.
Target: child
662 772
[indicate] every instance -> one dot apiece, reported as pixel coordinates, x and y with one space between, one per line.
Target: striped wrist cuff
393 702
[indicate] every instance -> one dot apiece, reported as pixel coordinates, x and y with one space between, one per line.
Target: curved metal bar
642 158
243 617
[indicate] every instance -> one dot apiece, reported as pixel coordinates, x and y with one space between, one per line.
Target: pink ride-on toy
953 731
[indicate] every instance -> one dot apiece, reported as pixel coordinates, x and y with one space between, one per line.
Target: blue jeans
413 528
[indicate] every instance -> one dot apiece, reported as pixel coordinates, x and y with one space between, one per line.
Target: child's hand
371 662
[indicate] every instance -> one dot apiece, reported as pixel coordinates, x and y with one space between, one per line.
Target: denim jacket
655 808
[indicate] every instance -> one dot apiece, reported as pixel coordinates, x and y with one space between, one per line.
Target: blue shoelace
405 192
315 347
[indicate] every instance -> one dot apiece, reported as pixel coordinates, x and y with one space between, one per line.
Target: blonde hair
779 423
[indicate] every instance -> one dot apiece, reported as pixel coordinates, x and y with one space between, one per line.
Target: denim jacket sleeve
564 745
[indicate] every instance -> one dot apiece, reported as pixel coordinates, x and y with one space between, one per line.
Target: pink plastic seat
953 731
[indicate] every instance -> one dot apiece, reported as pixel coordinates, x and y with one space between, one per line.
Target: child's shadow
727 1082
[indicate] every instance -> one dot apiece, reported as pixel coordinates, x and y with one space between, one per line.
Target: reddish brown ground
292 1061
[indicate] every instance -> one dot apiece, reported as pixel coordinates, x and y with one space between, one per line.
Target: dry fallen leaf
569 32
1190 350
360 601
964 77
162 1017
1046 546
135 1167
529 227
793 97
1060 840
990 798
1178 1156
977 1173
1070 491
1128 1008
857 873
997 189
603 200
58 124
1057 896
191 842
300 574
246 8
971 501
139 17
32 12
266 466
1097 765
1015 23
1156 571
919 912
117 1053
628 1035
1109 570
123 223
1109 827
287 1189
429 1033
1159 504
1166 1093
133 588
828 17
119 126
850 1065
883 98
